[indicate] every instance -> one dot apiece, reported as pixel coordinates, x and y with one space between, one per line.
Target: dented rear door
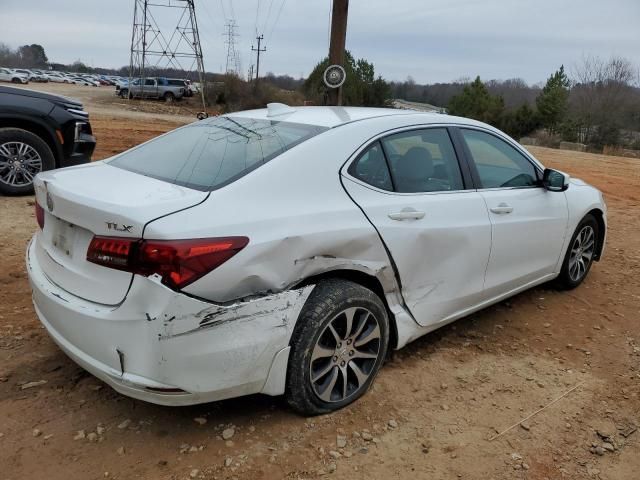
439 240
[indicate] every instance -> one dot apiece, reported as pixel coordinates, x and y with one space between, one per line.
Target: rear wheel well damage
368 281
599 216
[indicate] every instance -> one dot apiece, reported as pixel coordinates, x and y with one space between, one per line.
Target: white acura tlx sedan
286 251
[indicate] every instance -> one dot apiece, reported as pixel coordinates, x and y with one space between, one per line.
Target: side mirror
555 181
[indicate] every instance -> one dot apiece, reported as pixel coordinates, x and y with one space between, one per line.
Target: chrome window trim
407 194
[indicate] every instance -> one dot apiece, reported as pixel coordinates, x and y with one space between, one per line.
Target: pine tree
476 102
552 101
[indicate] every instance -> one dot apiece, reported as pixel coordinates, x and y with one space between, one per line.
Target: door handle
502 209
407 214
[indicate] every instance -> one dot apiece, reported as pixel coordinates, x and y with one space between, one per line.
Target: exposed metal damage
265 312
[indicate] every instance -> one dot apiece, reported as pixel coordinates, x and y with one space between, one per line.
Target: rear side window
210 154
371 167
499 165
423 161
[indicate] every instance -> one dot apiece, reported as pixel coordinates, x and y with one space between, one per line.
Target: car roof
335 116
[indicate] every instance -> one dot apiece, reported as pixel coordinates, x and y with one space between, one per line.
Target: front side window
209 154
499 165
423 161
371 167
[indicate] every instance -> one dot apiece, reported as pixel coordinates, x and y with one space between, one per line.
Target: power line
257 14
224 12
233 13
277 18
264 27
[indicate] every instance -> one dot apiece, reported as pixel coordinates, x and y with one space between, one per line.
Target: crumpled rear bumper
167 348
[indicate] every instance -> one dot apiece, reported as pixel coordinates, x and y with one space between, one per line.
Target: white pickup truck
157 87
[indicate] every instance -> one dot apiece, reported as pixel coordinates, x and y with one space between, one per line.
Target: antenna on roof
275 109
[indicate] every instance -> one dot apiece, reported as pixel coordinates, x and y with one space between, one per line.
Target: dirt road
431 414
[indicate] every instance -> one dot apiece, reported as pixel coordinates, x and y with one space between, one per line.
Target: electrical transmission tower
233 59
153 47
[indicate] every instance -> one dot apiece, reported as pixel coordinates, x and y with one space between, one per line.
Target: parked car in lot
8 75
119 83
39 132
31 75
57 77
82 81
285 251
177 82
158 88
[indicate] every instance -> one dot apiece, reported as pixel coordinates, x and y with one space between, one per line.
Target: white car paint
8 75
57 77
228 333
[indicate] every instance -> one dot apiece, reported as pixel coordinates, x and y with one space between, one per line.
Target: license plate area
64 237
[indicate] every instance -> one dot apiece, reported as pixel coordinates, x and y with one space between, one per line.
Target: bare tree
601 98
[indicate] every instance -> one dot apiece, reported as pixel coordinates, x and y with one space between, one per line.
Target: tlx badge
119 228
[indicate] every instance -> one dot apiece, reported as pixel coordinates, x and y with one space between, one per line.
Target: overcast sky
430 40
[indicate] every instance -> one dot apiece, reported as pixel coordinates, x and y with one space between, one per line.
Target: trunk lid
98 199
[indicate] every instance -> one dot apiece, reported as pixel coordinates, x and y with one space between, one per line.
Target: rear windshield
210 154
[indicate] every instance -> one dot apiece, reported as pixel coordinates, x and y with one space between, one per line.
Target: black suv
39 131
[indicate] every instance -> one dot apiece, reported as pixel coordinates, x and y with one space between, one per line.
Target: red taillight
178 262
40 215
111 252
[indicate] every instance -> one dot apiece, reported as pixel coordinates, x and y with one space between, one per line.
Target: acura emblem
49 202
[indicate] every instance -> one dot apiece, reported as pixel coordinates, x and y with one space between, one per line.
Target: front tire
580 254
22 156
337 348
169 97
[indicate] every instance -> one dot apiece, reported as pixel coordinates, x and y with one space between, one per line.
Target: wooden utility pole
337 43
259 50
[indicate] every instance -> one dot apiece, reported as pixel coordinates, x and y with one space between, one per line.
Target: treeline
26 56
514 91
597 104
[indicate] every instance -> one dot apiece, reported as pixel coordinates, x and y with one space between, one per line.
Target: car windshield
210 154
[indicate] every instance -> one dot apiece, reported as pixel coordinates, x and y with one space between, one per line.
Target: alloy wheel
345 355
582 253
19 163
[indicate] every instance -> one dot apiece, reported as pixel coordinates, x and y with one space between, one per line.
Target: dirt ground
432 413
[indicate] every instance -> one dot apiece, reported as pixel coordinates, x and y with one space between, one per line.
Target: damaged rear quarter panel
299 220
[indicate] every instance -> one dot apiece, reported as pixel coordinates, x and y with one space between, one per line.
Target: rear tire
22 155
580 253
337 348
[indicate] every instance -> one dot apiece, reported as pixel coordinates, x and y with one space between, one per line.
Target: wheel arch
602 227
368 281
36 128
